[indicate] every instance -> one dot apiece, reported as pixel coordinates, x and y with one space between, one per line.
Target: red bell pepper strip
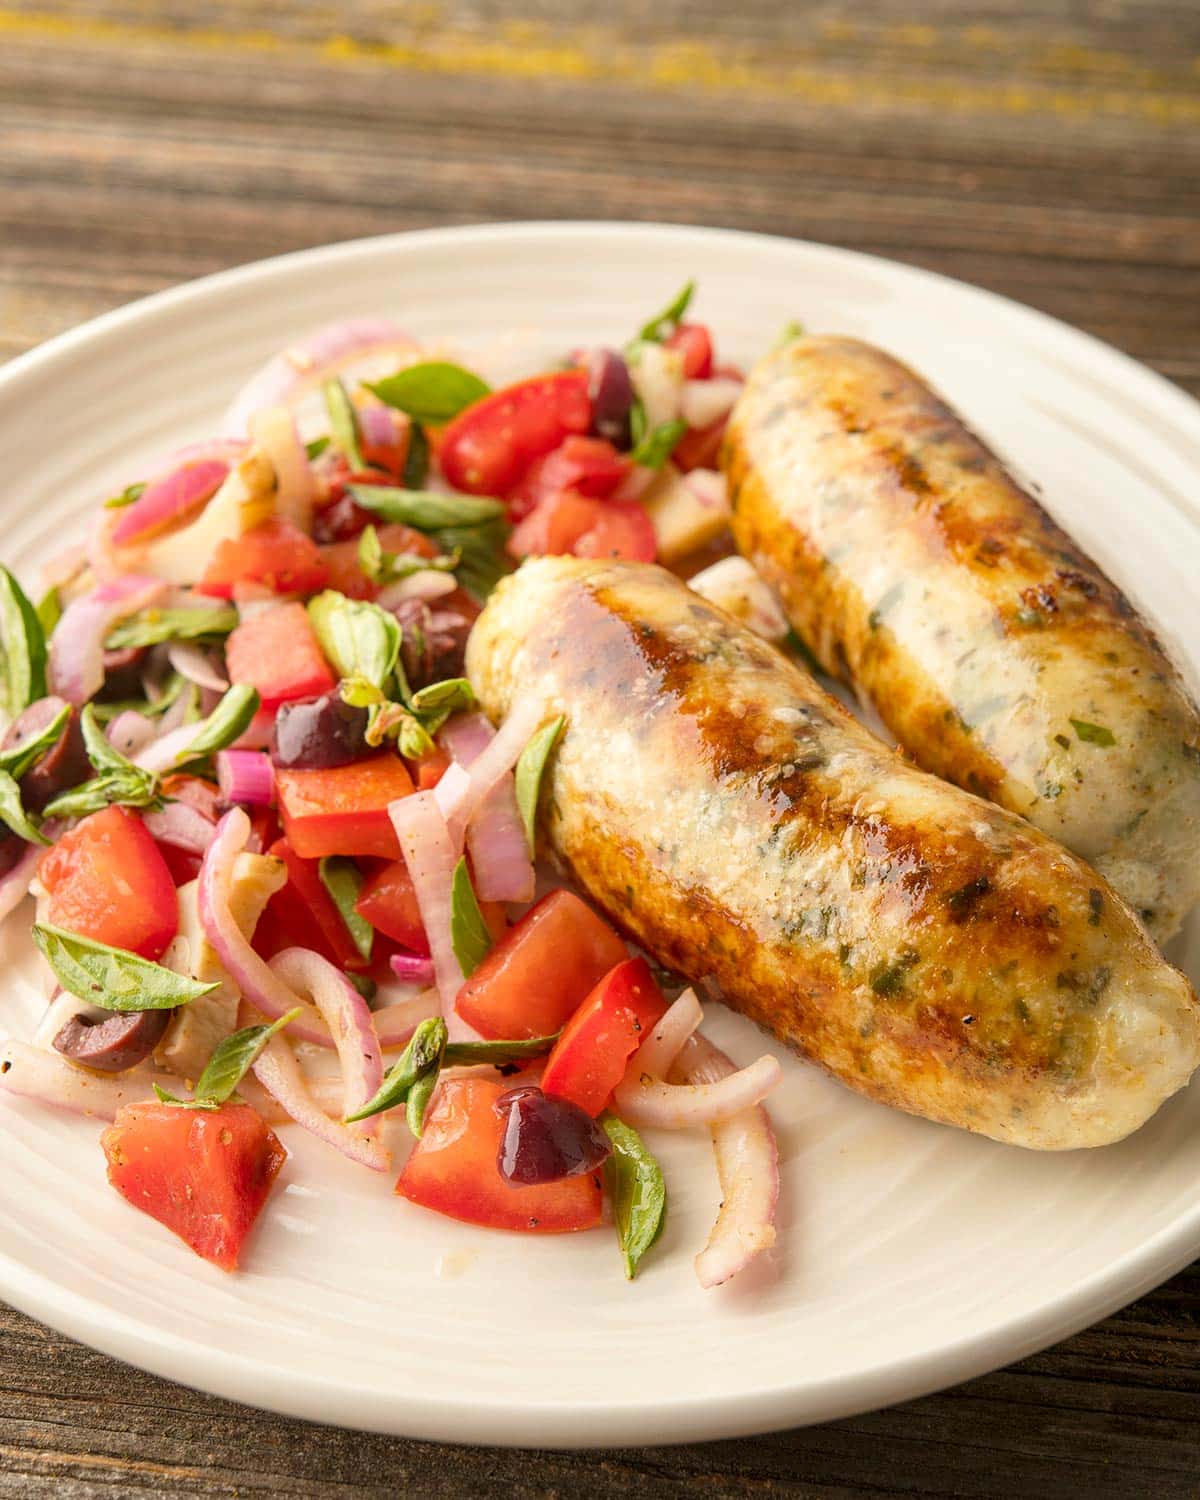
343 809
590 1057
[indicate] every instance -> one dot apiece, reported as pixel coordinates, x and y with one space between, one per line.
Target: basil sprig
20 757
527 774
151 627
358 638
664 324
22 648
232 1059
498 1054
469 935
343 421
474 527
227 722
382 566
112 977
342 878
13 815
412 1078
117 782
637 1190
653 449
432 392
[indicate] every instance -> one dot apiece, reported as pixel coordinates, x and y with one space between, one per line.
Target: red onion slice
130 732
246 776
170 498
704 402
412 968
395 1023
15 883
77 645
259 986
431 855
493 761
748 1169
182 826
495 836
34 1074
279 1073
349 1019
283 378
196 664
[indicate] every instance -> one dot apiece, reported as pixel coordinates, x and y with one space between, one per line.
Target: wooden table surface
1050 151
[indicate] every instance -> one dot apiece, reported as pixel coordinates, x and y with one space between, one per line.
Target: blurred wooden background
1047 149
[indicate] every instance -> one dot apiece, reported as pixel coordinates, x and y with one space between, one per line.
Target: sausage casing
918 570
928 948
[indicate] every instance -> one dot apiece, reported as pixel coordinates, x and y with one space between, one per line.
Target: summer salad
285 868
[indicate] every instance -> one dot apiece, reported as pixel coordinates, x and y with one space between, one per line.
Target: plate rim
304 1393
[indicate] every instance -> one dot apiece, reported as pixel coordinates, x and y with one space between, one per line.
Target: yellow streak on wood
526 51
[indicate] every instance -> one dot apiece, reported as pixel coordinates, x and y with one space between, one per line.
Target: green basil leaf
637 422
413 741
790 330
418 1101
49 611
653 450
432 392
482 560
386 567
316 448
136 788
527 774
128 495
434 704
227 722
416 460
463 1054
233 1058
22 648
102 753
665 324
359 639
13 815
151 627
637 1191
1093 734
111 977
371 554
343 421
469 936
19 759
342 878
422 1056
426 510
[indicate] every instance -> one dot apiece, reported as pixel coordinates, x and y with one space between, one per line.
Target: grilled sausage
919 571
930 949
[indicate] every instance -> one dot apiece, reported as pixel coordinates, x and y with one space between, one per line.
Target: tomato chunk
389 903
345 572
536 976
108 880
453 1169
277 652
623 529
694 342
276 554
587 465
205 1174
700 447
343 809
590 1057
487 447
303 913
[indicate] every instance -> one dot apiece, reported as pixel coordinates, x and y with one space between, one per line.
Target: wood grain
1047 149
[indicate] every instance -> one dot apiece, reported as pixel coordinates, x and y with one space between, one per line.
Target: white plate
912 1255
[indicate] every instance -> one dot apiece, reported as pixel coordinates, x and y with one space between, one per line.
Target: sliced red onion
274 434
378 425
431 855
182 826
428 584
452 789
644 1099
496 758
412 968
170 498
748 1169
709 488
283 378
663 1045
130 732
47 1076
259 985
77 645
704 402
279 1073
15 883
246 776
197 665
161 754
349 1019
395 1023
496 841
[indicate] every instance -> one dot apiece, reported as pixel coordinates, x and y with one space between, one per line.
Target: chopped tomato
573 523
389 903
108 880
345 571
390 453
453 1169
343 809
431 768
205 1174
276 554
694 342
700 447
277 652
535 977
182 863
306 913
587 465
623 530
590 1057
487 447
